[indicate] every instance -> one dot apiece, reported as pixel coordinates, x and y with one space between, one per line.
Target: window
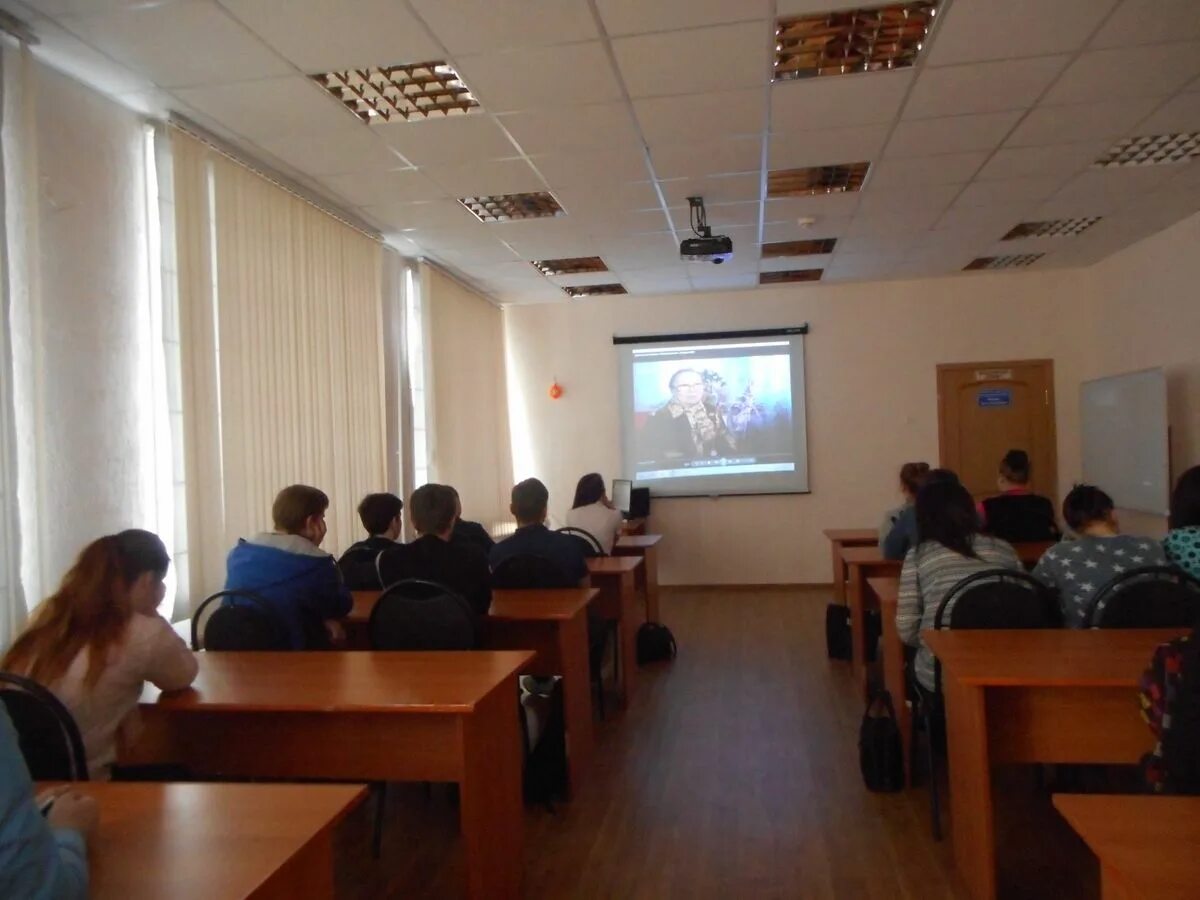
415 335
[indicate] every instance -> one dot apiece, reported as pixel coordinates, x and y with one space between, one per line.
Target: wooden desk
886 590
214 841
361 716
1146 845
839 540
1063 696
616 576
645 546
633 526
553 624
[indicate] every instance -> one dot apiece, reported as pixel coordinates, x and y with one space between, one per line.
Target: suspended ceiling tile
272 108
1150 22
1061 160
541 77
383 188
721 281
330 35
606 196
491 178
701 117
580 169
160 41
883 222
887 244
986 223
826 147
982 87
714 189
1077 122
816 104
694 61
1102 192
344 152
584 127
721 216
952 134
625 17
908 197
458 139
819 206
715 158
652 282
475 26
824 227
432 214
1153 71
1000 29
789 263
1179 114
1013 191
942 168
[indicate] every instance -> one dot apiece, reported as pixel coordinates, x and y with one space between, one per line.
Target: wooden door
986 409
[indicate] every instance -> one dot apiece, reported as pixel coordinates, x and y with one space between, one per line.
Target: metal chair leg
934 806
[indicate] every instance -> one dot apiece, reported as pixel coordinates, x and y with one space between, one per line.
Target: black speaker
639 503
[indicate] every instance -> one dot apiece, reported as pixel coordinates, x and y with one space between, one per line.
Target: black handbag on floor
880 755
655 643
837 631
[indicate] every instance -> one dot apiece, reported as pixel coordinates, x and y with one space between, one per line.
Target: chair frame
424 582
258 602
585 535
1110 588
77 755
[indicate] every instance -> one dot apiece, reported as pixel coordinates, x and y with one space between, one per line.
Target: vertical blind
282 355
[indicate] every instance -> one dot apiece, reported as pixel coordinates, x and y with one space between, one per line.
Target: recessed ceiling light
571 266
1018 261
851 40
1151 150
790 275
817 180
595 290
798 248
399 93
506 207
1051 228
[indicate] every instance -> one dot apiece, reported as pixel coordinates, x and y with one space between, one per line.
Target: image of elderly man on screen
691 425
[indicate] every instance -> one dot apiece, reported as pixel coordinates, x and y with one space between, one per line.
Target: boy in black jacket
380 516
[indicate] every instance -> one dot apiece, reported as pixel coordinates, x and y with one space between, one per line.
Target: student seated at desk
359 565
435 555
950 549
1182 543
594 513
470 532
288 569
98 639
42 857
903 535
912 476
532 538
1018 514
1079 568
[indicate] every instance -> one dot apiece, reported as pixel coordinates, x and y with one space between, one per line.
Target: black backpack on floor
655 643
837 631
880 755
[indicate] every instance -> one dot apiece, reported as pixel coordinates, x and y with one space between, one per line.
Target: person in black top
380 516
433 556
1018 514
471 532
532 538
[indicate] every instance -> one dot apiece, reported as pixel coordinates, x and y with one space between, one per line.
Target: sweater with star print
1081 567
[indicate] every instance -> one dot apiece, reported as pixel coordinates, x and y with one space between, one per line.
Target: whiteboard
1125 439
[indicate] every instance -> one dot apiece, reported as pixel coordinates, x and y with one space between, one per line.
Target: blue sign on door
995 397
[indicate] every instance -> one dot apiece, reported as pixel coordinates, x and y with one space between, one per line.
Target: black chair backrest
588 542
528 571
247 623
996 599
421 615
49 738
1148 597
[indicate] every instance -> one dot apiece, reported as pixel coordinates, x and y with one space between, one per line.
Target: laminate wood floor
734 774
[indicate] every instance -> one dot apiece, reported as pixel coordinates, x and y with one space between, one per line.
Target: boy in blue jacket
42 856
288 569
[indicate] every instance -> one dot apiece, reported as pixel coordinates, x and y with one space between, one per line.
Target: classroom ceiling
621 109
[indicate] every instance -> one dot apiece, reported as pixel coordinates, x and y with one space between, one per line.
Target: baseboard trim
738 588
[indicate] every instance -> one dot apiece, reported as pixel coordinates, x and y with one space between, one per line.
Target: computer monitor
621 490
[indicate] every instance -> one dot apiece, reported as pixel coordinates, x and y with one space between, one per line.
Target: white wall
871 371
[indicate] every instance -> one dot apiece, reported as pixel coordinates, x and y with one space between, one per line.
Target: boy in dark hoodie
288 569
380 516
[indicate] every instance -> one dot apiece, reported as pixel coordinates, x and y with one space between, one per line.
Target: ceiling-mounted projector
705 246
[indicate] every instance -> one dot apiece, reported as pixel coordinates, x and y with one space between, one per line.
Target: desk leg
971 788
577 697
839 573
893 680
650 565
627 634
858 625
491 805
